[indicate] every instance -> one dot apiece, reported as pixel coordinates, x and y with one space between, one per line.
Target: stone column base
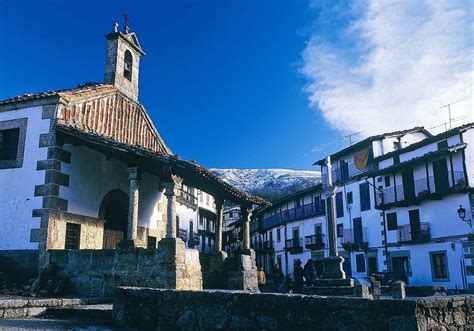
242 272
332 268
181 266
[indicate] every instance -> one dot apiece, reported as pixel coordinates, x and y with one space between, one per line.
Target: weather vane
125 22
125 18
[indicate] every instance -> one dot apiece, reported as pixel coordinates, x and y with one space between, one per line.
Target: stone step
99 311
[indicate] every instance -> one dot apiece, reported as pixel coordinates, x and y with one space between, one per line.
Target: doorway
440 172
408 185
114 210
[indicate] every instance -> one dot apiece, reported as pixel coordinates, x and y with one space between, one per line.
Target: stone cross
219 215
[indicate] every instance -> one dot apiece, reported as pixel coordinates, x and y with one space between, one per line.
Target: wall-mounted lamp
462 216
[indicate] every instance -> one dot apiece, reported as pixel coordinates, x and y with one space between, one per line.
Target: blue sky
247 84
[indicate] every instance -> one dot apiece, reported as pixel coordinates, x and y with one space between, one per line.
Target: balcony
315 242
270 222
266 246
187 199
423 189
294 246
305 211
407 234
353 241
352 171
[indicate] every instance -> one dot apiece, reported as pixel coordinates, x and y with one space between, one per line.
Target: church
85 169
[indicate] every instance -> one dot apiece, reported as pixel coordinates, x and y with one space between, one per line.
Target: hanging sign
361 159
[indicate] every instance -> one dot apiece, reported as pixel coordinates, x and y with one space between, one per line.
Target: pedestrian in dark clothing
277 275
309 272
298 277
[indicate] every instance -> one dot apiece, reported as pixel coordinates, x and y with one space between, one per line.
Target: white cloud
404 61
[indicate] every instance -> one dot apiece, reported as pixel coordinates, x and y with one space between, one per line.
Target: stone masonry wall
159 309
97 272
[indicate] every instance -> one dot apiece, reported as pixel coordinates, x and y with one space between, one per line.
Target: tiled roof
362 143
79 91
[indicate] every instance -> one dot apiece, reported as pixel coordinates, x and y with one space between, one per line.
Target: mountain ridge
269 183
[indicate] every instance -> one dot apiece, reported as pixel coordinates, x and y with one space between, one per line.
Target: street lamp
462 216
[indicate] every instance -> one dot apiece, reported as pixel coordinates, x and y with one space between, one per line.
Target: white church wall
17 185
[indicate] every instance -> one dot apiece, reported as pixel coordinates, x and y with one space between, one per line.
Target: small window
9 144
360 263
323 206
364 192
151 242
392 222
349 198
73 236
339 230
397 145
339 205
443 144
127 65
387 181
278 235
439 266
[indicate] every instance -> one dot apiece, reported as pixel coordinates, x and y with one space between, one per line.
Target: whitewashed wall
17 185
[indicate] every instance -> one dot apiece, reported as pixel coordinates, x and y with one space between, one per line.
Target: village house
85 169
398 200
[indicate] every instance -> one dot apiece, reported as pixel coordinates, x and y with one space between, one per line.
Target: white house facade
415 231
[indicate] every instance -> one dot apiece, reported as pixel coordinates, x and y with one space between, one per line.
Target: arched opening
127 65
114 210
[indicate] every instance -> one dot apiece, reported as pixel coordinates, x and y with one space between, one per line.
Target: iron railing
187 199
315 241
406 233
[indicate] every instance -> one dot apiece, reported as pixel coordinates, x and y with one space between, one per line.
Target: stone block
54 202
47 139
48 165
46 189
38 235
332 268
398 290
56 177
362 291
57 153
48 112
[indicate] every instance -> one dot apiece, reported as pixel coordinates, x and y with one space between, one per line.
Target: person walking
277 275
298 276
262 280
309 272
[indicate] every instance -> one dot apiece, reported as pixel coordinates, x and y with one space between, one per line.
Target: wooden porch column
171 188
246 215
132 227
219 215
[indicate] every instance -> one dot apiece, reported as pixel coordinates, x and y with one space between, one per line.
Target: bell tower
122 65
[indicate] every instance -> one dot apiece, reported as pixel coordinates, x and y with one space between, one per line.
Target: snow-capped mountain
269 183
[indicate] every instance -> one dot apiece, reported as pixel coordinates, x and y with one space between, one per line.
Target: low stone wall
20 265
146 308
98 272
21 307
